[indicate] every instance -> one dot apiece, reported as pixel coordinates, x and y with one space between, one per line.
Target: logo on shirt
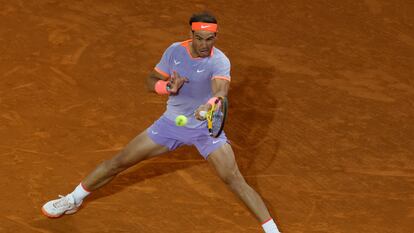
215 141
176 62
199 71
154 132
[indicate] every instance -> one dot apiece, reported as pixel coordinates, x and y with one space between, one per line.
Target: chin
206 54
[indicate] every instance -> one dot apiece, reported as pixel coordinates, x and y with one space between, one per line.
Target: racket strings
217 116
217 119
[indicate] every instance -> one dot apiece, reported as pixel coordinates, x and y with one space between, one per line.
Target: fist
199 112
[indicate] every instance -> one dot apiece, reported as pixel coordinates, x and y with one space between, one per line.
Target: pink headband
197 26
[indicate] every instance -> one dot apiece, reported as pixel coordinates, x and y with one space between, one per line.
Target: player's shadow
252 109
148 169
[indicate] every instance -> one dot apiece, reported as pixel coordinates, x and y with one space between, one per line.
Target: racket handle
203 114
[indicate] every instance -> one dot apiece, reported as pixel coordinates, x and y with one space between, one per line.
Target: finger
197 114
172 79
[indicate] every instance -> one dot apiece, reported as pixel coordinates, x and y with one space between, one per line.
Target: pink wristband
212 100
161 87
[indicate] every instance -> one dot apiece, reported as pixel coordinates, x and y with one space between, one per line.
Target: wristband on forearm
162 87
212 100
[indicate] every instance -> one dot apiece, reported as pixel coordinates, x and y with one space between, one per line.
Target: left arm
219 87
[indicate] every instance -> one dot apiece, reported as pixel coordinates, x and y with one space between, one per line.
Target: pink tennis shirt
199 71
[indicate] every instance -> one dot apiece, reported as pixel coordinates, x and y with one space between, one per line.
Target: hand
176 82
205 108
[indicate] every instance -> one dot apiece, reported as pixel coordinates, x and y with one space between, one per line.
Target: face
203 42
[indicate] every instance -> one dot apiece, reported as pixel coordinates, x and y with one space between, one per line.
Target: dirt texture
321 115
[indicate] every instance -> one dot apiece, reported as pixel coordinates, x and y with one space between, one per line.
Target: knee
233 178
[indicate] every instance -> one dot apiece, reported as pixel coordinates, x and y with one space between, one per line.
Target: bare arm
152 78
175 82
220 87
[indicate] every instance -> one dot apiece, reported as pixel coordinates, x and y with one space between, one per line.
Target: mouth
204 52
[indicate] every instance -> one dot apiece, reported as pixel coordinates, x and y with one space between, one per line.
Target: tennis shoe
58 207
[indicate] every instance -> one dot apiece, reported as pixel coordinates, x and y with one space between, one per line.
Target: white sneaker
58 207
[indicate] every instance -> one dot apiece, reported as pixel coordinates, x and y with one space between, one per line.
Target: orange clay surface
321 115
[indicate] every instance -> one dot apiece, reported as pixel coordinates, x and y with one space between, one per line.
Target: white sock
269 226
80 193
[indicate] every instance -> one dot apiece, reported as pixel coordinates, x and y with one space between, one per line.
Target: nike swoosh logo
176 62
205 26
199 71
214 142
154 132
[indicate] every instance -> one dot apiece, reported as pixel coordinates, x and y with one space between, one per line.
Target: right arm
152 78
161 80
175 82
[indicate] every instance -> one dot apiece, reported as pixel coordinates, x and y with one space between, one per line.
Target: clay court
321 115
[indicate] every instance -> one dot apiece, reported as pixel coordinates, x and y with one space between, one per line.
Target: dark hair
204 17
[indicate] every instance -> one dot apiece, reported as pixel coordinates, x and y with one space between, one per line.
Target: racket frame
209 116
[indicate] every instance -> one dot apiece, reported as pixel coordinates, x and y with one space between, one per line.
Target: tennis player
193 73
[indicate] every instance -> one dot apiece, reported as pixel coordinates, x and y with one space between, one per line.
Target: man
193 73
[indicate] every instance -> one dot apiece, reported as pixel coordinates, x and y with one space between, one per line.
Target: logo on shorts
154 132
176 62
199 71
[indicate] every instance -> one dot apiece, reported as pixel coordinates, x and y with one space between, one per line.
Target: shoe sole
60 215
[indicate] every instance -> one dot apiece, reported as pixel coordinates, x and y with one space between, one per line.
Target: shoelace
62 202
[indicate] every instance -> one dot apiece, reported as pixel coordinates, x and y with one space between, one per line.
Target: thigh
138 149
224 162
207 145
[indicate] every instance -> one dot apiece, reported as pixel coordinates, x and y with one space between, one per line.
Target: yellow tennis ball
181 120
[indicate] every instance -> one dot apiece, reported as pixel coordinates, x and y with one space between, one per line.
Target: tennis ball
181 120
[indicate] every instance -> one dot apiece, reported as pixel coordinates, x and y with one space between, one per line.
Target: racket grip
203 114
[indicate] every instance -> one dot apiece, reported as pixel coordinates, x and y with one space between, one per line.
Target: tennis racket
216 116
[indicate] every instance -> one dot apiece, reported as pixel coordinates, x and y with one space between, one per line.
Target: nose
203 43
